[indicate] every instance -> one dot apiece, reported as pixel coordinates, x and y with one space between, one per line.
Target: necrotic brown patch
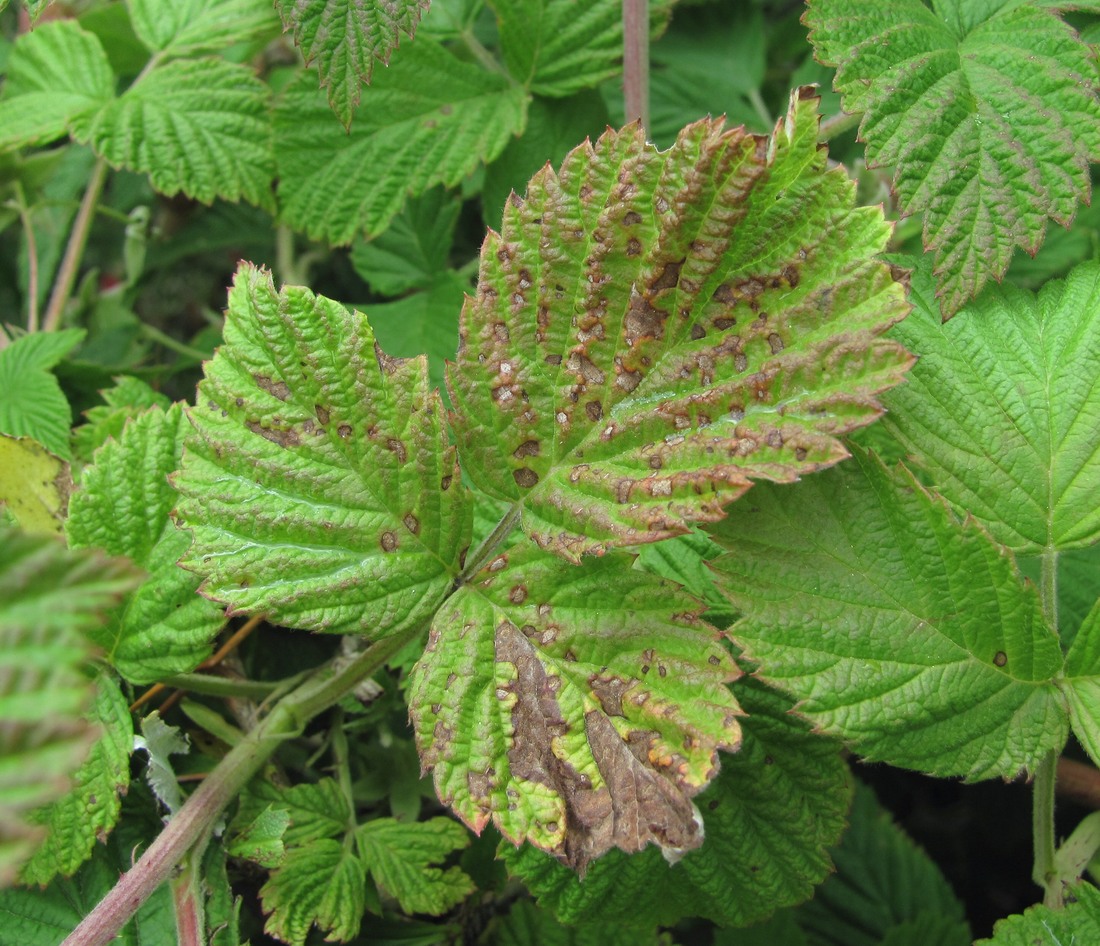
525 477
389 542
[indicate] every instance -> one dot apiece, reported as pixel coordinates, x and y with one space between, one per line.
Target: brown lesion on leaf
529 448
411 523
388 541
387 364
283 437
397 448
525 477
278 389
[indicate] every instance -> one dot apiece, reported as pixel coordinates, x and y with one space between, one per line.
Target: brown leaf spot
1000 658
643 320
445 482
632 218
594 410
277 389
584 366
698 332
628 380
525 477
389 542
609 691
344 431
284 438
633 247
412 523
775 343
668 277
518 594
552 359
529 448
398 449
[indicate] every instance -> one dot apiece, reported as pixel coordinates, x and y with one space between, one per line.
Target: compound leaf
1003 407
124 506
988 114
401 857
895 626
429 119
319 484
557 48
757 857
31 401
322 884
90 809
652 331
197 126
48 598
187 27
55 73
1077 922
345 37
579 708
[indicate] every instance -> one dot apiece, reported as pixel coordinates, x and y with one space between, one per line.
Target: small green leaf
894 625
558 48
187 27
1003 407
316 811
652 331
128 398
758 855
159 741
31 402
402 856
987 111
1082 683
261 840
885 890
197 126
345 37
48 598
579 708
34 485
423 323
321 884
91 808
1075 924
413 252
123 506
56 73
429 119
319 483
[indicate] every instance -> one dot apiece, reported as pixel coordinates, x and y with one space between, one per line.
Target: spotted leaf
319 485
652 331
576 708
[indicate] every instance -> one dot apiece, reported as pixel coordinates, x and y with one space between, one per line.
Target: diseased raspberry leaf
651 332
987 112
579 708
319 484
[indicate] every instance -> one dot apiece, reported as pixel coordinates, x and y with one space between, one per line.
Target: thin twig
32 257
636 61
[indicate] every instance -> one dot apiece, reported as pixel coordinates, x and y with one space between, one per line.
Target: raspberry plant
607 562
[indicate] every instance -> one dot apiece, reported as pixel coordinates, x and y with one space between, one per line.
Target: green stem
211 685
32 257
287 720
175 345
636 61
492 542
74 249
837 125
1045 872
485 58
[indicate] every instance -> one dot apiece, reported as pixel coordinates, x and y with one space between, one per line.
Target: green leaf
316 811
159 741
554 126
34 485
319 484
88 811
683 559
886 890
987 111
321 884
1003 407
261 840
37 917
197 126
558 48
429 119
653 331
56 73
48 598
128 398
770 816
577 708
31 402
124 506
423 323
402 856
187 27
1074 925
345 37
527 925
413 252
1082 683
895 626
